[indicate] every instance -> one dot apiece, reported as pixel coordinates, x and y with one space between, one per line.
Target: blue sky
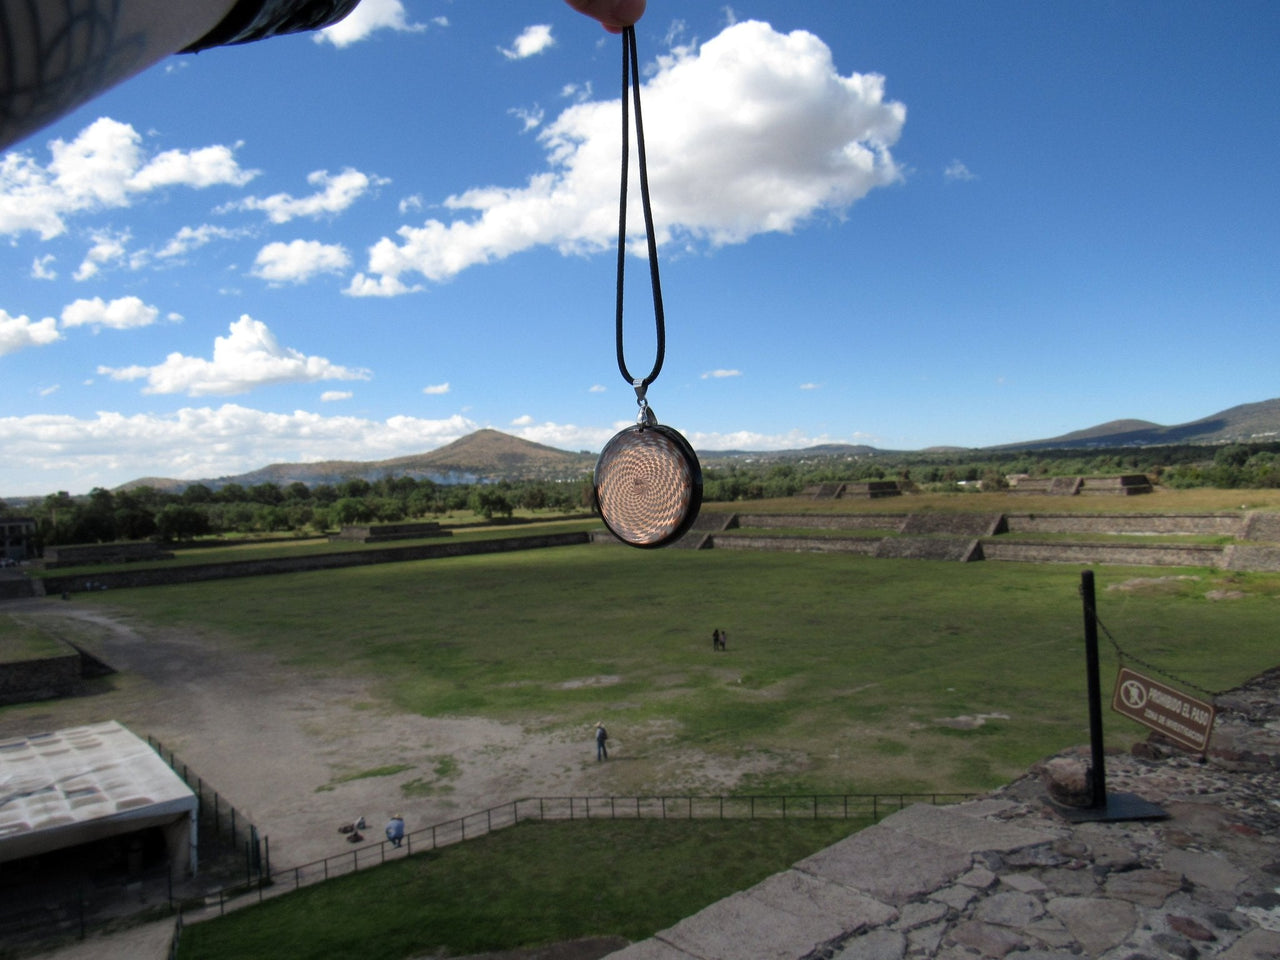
898 224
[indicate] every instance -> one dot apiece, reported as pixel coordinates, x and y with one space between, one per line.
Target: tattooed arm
57 54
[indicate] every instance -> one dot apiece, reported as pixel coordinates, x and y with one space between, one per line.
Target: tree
181 521
487 501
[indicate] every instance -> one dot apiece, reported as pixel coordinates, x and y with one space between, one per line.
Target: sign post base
1119 806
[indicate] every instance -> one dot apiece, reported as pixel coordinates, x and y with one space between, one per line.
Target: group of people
719 638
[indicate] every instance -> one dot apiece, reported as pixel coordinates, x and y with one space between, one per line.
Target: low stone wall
160 576
26 680
860 545
381 532
1128 554
955 524
956 549
1240 556
1198 524
84 554
823 521
1261 526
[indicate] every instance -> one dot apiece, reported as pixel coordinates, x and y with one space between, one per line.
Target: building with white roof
76 786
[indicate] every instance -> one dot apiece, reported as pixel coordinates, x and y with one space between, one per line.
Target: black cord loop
631 79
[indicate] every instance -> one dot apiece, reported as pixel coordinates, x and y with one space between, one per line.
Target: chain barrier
1125 655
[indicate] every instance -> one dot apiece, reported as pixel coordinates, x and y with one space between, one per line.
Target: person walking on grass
602 751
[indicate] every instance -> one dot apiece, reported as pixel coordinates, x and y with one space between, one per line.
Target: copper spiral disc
648 485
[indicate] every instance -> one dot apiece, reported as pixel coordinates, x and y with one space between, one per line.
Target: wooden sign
1183 719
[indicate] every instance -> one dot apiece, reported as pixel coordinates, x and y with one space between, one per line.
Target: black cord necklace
648 482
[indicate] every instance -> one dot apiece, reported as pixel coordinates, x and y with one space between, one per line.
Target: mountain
492 455
483 455
1256 422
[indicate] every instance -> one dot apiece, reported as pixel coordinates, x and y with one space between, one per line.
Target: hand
613 14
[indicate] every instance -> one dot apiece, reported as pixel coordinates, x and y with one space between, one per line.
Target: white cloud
436 389
721 374
754 132
44 453
810 386
331 396
247 358
19 332
104 167
369 16
192 238
299 261
125 313
532 41
334 195
597 388
42 268
411 202
567 436
523 421
107 248
956 170
530 119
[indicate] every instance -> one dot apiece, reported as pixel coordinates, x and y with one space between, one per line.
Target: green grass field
842 675
530 885
837 673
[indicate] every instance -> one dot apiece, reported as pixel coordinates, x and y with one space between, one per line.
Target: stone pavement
1010 875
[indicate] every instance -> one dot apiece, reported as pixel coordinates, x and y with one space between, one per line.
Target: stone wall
160 576
860 545
380 532
1132 554
1201 524
823 521
26 680
86 554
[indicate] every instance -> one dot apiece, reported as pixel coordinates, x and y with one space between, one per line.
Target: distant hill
1247 422
493 455
483 455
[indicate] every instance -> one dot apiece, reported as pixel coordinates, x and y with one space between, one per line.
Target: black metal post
1099 771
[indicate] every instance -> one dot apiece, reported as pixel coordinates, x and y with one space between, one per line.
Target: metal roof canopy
82 784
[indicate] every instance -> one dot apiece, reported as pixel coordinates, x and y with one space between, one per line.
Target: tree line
142 512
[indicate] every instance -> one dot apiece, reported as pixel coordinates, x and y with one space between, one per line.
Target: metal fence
222 831
156 894
870 807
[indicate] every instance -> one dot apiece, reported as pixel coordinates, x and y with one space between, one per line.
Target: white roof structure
74 786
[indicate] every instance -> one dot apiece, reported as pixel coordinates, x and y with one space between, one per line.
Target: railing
870 807
80 914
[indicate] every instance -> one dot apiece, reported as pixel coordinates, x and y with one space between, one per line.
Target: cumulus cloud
331 396
107 248
721 374
68 453
755 131
104 167
368 17
436 389
531 42
19 332
299 261
247 358
333 195
959 171
124 313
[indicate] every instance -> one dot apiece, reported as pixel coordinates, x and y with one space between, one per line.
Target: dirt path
287 747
